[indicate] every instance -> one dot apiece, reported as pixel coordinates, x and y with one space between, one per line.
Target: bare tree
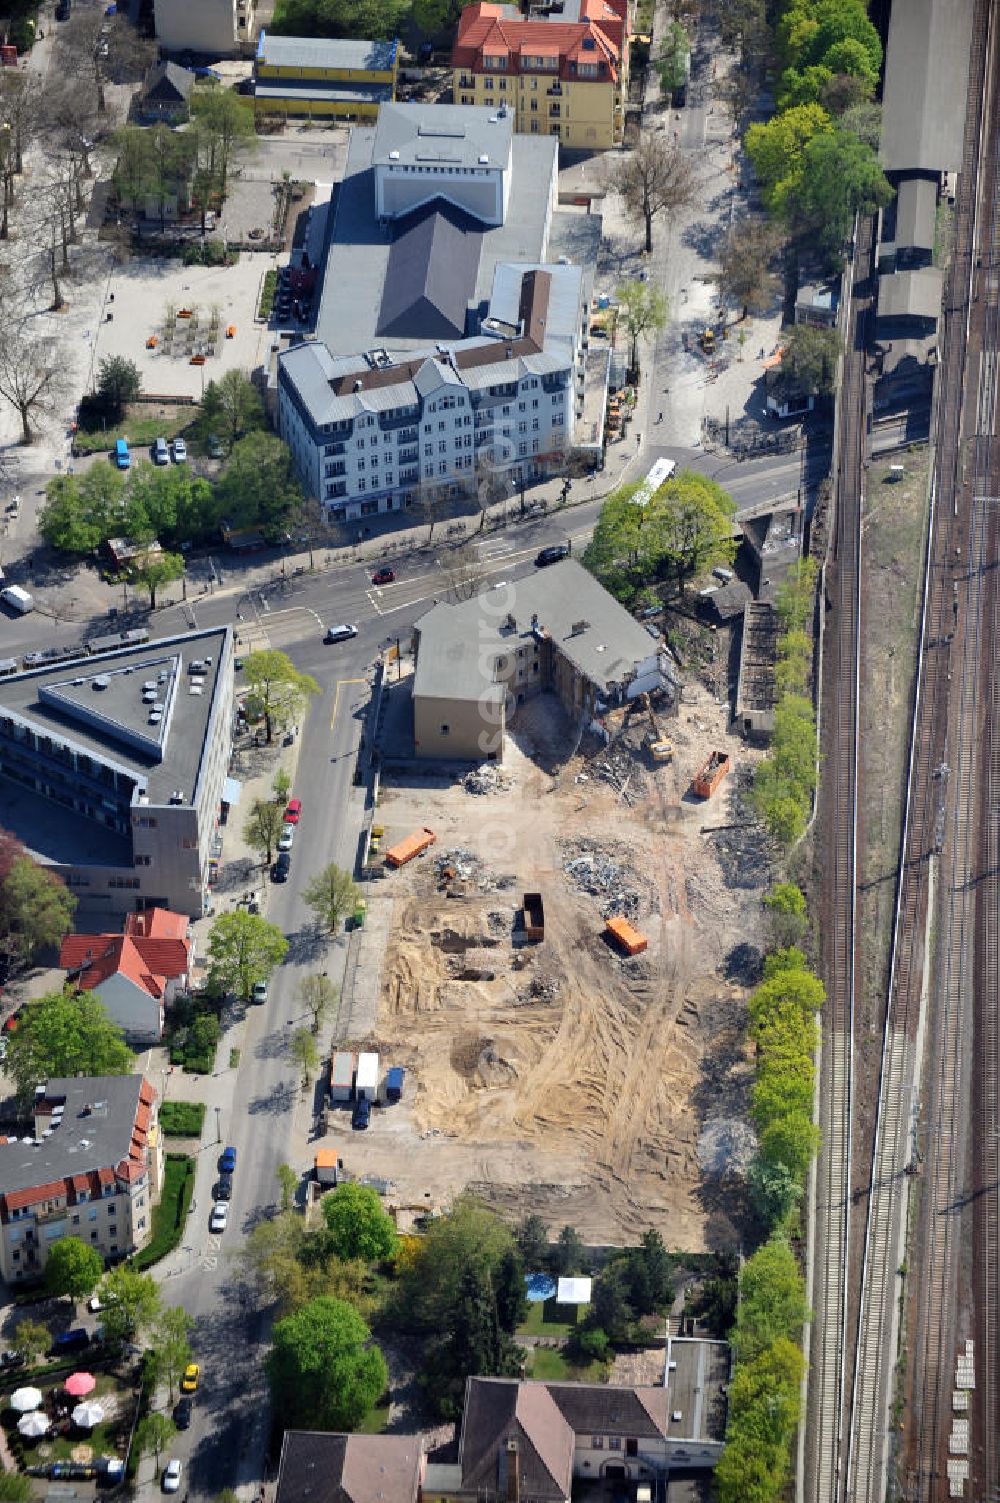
746 274
31 374
464 570
655 177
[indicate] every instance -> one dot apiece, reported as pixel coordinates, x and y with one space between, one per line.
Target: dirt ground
562 1077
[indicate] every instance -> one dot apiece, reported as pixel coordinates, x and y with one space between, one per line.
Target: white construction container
19 600
366 1084
342 1075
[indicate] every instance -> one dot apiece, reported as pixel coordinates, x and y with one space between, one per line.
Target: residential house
166 94
563 72
134 975
323 77
333 1468
556 629
92 1168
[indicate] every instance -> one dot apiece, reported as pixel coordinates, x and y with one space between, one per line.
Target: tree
288 1184
65 1034
170 1347
231 408
746 276
318 995
533 1240
73 1268
379 19
359 1225
282 785
118 383
772 1299
863 119
36 908
511 1291
787 915
464 569
15 1487
302 1048
643 310
324 1375
228 126
243 949
259 486
570 1255
32 374
774 1193
276 688
470 1235
263 827
841 176
269 1256
153 569
131 1303
31 1338
681 531
673 62
611 1311
331 895
655 178
647 1270
777 151
474 1344
809 358
154 1433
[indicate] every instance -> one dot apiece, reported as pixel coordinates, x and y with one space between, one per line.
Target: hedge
170 1214
182 1119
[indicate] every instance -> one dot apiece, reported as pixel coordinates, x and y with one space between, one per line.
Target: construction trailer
394 1084
366 1078
413 845
328 1169
342 1075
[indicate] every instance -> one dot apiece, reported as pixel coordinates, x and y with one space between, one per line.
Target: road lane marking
342 683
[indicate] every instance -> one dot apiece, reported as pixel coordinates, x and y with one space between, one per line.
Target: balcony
555 90
409 456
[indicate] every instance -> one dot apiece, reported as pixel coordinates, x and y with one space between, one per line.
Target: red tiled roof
17 1200
147 960
147 1094
106 1176
129 1170
157 923
165 957
484 31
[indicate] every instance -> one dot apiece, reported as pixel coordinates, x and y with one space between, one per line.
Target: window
141 1223
446 730
597 1442
614 1442
93 1236
92 1214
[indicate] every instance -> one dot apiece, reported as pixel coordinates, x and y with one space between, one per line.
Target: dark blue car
228 1161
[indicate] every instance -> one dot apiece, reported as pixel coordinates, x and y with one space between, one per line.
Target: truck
533 912
394 1084
342 1075
366 1077
19 600
413 845
710 774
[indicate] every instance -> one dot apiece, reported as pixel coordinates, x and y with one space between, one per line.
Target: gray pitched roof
95 1132
910 294
455 134
431 275
600 1408
318 1467
168 83
356 55
499 1411
916 213
926 83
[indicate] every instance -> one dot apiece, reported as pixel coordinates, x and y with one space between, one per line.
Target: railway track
833 1205
937 856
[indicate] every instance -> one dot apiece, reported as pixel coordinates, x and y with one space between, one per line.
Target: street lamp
218 1124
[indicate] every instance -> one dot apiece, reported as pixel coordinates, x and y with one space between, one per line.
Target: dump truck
328 1169
710 774
413 845
533 911
626 936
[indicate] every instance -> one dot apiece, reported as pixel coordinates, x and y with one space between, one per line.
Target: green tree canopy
359 1226
277 690
774 1192
131 1303
777 151
473 1343
772 1299
154 1433
332 895
841 176
231 408
787 916
470 1235
170 1346
243 948
263 826
118 383
302 1047
643 309
319 993
73 1268
259 486
323 1371
684 529
151 571
379 19
226 127
36 908
64 1033
31 1338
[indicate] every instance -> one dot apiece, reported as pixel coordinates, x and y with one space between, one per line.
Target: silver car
219 1217
340 633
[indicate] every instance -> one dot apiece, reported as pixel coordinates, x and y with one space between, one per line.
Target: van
17 599
123 459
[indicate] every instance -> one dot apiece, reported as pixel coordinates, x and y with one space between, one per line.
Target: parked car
219 1217
75 1340
260 991
121 455
64 10
172 1477
12 1359
287 838
227 1163
161 454
384 576
192 1374
551 555
293 811
213 444
224 1189
361 1115
281 868
341 633
182 1414
180 451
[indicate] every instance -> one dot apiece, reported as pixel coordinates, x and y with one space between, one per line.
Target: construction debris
601 872
487 779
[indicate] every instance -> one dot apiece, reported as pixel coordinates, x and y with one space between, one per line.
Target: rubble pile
462 865
596 870
487 779
743 847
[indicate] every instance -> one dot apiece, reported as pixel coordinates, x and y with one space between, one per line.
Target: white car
260 991
220 1215
341 633
180 451
287 838
172 1477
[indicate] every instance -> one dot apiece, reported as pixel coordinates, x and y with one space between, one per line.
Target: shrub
170 1214
182 1119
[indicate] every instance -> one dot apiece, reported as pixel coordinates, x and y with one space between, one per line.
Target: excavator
661 748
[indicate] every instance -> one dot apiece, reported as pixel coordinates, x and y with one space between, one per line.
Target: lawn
139 431
546 1318
376 1419
182 1119
550 1365
170 1214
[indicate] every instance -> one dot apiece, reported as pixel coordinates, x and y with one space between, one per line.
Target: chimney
513 1471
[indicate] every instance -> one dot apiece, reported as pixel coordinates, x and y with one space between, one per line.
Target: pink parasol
80 1384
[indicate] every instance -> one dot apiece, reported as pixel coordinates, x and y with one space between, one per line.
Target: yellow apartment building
316 77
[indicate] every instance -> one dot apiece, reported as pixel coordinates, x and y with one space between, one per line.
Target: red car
293 811
384 576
